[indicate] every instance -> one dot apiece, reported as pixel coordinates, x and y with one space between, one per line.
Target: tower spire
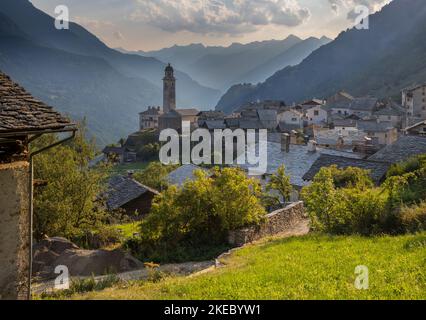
169 89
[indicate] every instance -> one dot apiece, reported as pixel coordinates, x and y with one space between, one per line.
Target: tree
344 201
67 203
280 182
155 175
203 210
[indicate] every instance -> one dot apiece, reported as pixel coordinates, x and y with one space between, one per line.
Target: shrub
200 214
154 175
343 202
413 219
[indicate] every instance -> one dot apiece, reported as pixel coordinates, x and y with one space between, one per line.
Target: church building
172 118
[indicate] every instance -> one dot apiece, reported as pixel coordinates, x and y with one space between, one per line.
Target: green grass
128 229
123 168
310 267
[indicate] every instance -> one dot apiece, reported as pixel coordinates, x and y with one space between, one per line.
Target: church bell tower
169 90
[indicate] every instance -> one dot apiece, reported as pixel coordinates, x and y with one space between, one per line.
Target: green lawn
310 267
123 168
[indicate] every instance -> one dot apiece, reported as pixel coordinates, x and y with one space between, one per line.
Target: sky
154 24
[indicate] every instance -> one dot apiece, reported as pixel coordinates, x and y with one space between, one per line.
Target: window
294 119
316 113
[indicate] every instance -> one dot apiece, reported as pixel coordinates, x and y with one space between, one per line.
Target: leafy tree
155 175
280 182
202 211
344 202
67 203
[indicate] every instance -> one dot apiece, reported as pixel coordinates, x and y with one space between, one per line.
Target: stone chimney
312 146
285 142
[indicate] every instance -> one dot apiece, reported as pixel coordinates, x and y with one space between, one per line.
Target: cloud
351 5
118 35
219 16
93 24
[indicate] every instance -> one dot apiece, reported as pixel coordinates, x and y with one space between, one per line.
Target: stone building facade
149 118
22 120
414 101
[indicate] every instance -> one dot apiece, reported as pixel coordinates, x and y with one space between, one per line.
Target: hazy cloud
118 35
219 16
350 5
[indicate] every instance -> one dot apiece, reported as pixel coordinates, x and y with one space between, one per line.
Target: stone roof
286 127
185 172
357 104
213 124
250 124
364 104
297 162
188 112
211 115
344 123
405 147
124 189
177 113
152 111
19 111
418 124
312 102
390 111
267 115
378 169
374 126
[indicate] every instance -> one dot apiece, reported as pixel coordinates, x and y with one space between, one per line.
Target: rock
52 252
56 244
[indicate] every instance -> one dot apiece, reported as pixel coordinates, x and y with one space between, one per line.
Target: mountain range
220 67
379 61
76 73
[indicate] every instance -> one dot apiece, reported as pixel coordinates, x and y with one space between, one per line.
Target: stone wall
14 237
280 221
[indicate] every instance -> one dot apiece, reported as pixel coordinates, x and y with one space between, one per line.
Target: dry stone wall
280 221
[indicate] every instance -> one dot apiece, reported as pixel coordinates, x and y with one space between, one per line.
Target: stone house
418 129
268 119
414 101
339 97
23 119
149 118
291 117
384 132
390 113
361 107
317 115
127 194
345 127
173 119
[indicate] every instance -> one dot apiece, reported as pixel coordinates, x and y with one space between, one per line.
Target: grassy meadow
309 267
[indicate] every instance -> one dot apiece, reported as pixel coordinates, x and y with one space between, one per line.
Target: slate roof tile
19 111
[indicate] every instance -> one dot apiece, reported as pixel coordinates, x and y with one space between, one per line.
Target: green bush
199 214
343 202
413 219
154 175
